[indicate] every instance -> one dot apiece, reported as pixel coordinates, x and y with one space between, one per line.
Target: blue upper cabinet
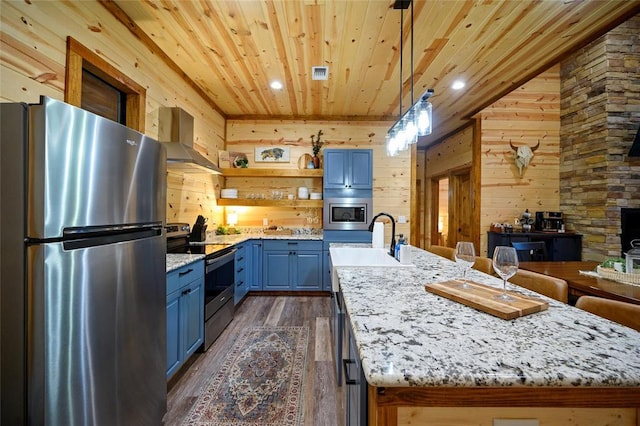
348 169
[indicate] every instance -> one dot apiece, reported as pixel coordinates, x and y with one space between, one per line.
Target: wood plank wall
32 63
391 175
526 116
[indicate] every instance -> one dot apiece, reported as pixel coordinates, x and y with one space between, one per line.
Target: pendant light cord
401 48
411 53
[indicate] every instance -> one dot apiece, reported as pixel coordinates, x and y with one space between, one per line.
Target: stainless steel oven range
219 278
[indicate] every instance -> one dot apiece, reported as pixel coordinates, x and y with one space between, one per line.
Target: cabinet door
326 270
566 249
360 170
308 270
500 239
335 168
193 326
174 348
240 277
277 271
255 278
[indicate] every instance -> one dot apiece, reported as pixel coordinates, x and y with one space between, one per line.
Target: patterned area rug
260 381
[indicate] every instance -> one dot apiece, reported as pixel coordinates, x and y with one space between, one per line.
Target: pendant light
417 120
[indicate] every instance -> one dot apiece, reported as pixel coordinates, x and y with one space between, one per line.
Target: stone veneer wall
600 114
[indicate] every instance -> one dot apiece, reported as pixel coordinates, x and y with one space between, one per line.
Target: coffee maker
549 221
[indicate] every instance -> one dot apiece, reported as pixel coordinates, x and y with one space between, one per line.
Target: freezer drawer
97 333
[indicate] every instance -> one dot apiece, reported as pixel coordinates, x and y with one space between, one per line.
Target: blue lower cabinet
185 314
174 349
254 265
309 270
241 262
292 265
193 302
326 270
277 270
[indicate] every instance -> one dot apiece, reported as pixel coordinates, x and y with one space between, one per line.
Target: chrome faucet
392 248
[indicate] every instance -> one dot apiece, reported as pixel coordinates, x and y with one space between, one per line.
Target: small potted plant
316 144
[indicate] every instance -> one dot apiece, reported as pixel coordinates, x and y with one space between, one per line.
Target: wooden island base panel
399 406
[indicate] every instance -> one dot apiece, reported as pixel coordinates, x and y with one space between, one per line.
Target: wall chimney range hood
175 131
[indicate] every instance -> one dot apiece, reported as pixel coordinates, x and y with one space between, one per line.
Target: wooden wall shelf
269 203
249 172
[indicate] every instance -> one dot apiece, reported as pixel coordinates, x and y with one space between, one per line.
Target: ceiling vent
320 73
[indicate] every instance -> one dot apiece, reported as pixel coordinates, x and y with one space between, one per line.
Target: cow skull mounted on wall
523 155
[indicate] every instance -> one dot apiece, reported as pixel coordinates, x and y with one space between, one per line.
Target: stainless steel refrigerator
82 268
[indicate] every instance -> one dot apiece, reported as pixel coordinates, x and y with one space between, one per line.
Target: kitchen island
424 357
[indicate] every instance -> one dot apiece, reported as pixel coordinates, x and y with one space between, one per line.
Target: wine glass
465 256
505 263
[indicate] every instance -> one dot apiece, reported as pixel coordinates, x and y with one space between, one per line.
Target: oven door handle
218 261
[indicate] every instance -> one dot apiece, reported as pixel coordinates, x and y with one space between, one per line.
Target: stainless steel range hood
175 131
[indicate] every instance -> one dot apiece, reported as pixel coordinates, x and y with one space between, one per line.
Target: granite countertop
178 260
407 336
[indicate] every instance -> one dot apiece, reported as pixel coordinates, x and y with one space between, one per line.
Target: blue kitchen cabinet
184 314
332 236
254 265
308 271
241 283
326 270
348 169
292 265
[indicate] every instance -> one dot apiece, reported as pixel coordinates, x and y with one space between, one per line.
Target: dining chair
447 252
621 312
484 264
552 287
531 251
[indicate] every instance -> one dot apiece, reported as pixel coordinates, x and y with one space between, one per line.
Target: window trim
78 58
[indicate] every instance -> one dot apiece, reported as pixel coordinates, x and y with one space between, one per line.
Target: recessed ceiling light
457 85
276 85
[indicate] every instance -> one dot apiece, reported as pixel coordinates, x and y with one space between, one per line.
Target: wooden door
461 208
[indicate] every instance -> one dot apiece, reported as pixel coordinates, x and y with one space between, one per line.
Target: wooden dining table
581 284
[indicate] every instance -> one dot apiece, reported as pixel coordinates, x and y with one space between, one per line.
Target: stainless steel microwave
347 213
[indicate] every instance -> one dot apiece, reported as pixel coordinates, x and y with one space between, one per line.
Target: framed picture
266 154
223 159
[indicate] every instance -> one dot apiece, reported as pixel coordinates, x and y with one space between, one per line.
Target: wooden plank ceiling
233 49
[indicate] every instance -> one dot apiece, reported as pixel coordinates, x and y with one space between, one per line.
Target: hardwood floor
323 400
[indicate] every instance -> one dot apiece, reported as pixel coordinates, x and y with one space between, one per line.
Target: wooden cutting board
483 298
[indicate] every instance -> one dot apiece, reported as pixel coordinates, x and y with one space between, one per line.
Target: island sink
363 256
366 257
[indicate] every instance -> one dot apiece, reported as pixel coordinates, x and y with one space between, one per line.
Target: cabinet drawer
173 283
240 253
292 245
184 275
190 272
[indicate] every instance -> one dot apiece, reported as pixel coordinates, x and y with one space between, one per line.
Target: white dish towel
377 239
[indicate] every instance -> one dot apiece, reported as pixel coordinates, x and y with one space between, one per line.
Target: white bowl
316 195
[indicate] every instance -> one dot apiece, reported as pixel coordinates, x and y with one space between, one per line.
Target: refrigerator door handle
91 240
94 231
